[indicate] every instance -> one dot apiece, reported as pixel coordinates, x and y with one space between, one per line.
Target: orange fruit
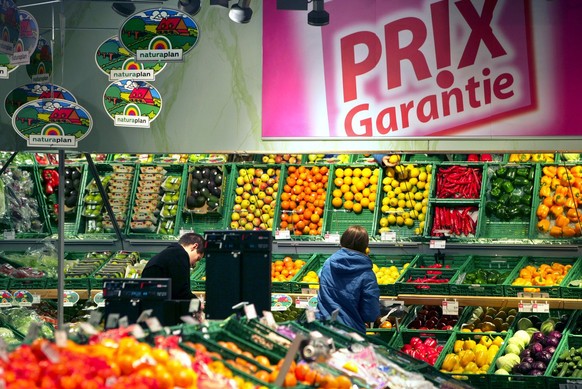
343 382
185 378
301 371
336 202
263 375
290 380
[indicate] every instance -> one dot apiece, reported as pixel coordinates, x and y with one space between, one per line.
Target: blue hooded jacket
347 283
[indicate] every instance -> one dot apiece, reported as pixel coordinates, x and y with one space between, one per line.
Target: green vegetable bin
387 261
198 277
477 380
553 291
571 288
483 276
442 338
404 286
508 201
560 376
452 261
288 286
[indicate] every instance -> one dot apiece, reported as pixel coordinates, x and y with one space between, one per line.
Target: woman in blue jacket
348 284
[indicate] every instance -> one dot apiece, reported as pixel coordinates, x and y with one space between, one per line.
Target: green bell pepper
495 191
501 172
507 186
522 172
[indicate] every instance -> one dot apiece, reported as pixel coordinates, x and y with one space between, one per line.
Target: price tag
540 307
88 328
3 350
310 315
388 236
184 231
333 237
437 244
145 314
60 338
36 298
123 322
250 311
51 354
153 324
95 318
112 320
269 318
194 305
188 319
137 331
524 307
450 307
283 234
9 235
33 331
301 302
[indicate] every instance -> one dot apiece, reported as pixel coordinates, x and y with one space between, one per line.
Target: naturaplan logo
414 68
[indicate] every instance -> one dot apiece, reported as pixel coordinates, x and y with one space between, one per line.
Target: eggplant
524 367
536 348
536 372
543 356
538 337
529 360
555 334
551 342
550 349
526 353
539 365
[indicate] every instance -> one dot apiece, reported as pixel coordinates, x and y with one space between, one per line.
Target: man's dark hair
355 238
191 238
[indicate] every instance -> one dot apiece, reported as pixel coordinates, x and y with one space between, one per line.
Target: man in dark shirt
175 261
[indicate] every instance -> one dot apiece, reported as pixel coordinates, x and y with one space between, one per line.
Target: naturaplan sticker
26 93
118 63
159 35
132 103
52 123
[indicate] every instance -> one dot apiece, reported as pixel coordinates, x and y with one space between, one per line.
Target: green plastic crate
415 202
279 211
214 220
458 205
513 381
70 283
416 312
198 277
337 220
284 158
453 261
519 226
553 291
502 265
478 380
386 261
72 216
171 171
405 287
553 370
314 264
480 166
572 292
248 333
430 158
231 199
403 337
287 286
27 283
385 335
4 282
556 314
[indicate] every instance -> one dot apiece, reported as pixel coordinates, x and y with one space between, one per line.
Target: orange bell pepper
576 171
559 199
548 201
556 232
562 221
570 203
555 183
549 171
546 181
542 211
544 225
545 191
568 232
556 210
574 215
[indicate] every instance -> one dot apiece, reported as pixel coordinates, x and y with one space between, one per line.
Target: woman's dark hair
191 238
355 238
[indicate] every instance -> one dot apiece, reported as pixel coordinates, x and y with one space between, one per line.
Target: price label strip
524 307
437 244
450 307
282 234
540 307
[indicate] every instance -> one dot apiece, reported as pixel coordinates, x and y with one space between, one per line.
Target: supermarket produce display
467 201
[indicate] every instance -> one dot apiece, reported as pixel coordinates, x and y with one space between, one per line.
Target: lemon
422 176
408 222
414 172
394 202
391 219
383 222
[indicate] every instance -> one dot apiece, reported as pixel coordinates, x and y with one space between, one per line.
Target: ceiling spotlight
319 16
191 7
241 12
124 9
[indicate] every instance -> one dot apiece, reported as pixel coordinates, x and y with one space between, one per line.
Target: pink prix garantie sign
420 68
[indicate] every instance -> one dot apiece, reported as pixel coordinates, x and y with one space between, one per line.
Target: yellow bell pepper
451 360
471 368
469 344
468 357
485 341
491 354
481 358
458 346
